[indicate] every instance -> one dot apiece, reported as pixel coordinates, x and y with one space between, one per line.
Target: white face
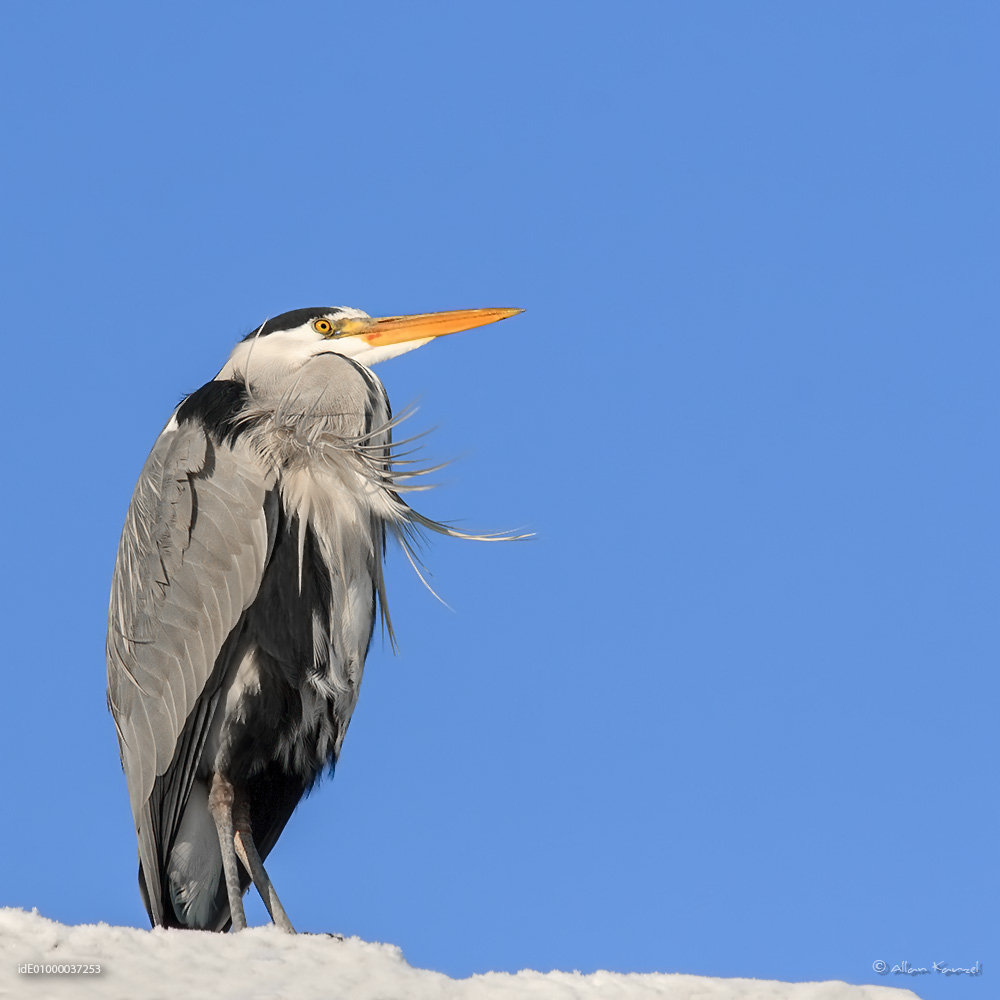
287 350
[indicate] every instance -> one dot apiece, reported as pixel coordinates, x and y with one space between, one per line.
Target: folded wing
197 538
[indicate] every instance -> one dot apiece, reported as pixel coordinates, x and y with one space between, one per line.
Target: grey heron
244 597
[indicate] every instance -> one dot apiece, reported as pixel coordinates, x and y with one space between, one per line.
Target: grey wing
197 537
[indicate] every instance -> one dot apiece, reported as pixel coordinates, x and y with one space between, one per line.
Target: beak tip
507 312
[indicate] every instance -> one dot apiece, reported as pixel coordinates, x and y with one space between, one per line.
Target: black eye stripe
290 320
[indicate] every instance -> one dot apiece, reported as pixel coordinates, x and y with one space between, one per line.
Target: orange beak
423 326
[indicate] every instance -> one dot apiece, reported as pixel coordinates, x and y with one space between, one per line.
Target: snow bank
264 962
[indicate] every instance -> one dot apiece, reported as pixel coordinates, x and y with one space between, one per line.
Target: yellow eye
322 326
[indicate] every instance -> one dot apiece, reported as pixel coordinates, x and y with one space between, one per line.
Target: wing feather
192 554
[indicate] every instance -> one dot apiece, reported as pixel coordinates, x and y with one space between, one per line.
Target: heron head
303 333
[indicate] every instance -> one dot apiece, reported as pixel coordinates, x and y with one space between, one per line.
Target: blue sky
730 712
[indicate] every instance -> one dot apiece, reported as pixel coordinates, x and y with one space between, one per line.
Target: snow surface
264 962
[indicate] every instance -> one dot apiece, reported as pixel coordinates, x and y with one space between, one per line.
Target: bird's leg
220 805
247 851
